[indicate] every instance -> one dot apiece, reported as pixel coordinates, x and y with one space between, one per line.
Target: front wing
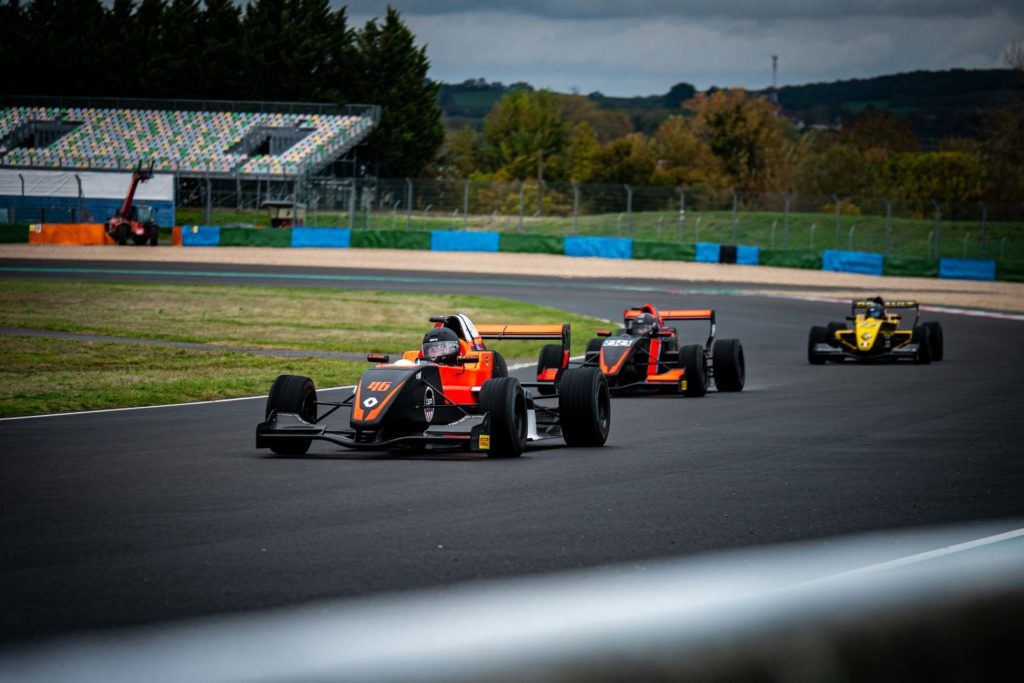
829 352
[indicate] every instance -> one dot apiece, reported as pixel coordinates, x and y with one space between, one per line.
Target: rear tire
818 335
154 235
504 401
729 364
693 360
500 366
593 352
550 357
584 407
121 235
935 340
924 346
292 394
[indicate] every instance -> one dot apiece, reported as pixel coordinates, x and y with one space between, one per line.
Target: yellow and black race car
876 335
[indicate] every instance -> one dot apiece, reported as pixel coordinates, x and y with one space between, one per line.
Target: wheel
292 394
935 339
550 357
819 335
500 366
121 234
584 407
139 240
693 360
924 345
730 365
593 352
505 404
832 329
154 235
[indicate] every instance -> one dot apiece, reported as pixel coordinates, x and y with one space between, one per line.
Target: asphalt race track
113 519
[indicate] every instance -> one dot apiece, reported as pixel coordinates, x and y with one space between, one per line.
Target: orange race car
646 355
452 392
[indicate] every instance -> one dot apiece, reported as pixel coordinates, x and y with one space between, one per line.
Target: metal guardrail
943 604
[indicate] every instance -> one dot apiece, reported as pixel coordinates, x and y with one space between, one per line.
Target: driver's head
644 325
875 311
441 345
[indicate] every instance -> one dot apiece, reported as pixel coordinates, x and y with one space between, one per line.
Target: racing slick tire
924 345
693 360
584 407
292 394
550 357
832 329
500 366
818 335
593 352
729 365
935 339
504 401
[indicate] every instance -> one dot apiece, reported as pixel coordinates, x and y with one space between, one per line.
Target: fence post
928 250
835 200
575 204
938 227
888 225
734 219
352 205
209 201
984 229
465 203
682 211
21 201
629 210
522 203
238 192
814 226
408 204
81 198
785 220
774 224
967 236
850 237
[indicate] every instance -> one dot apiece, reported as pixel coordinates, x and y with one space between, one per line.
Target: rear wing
675 314
865 303
512 331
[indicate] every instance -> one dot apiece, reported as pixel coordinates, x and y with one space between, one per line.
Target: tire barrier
573 245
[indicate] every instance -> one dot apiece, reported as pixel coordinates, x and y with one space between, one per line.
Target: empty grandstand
238 139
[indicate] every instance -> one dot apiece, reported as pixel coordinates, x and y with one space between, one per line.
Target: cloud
646 53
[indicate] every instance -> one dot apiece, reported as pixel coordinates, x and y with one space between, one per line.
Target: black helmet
441 345
644 325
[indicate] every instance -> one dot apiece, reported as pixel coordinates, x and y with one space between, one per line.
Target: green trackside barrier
531 244
13 234
664 251
390 239
1010 272
791 258
255 237
908 266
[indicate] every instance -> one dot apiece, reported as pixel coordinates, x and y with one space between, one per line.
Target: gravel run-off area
992 296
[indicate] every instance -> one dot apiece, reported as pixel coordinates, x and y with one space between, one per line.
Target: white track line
932 554
517 366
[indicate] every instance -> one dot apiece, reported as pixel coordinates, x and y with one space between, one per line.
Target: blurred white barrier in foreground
924 605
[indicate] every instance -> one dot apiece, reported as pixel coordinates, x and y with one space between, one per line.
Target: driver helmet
875 311
441 345
644 325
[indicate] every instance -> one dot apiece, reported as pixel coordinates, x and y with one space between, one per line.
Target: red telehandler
135 221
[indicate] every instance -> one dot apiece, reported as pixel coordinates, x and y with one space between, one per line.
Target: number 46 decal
378 386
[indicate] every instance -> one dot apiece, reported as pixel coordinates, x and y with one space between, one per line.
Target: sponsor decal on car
428 405
617 342
370 402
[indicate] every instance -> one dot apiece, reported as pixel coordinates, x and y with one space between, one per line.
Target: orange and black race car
452 393
646 355
878 333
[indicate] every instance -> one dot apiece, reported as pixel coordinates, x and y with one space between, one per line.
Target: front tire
500 366
584 407
924 345
818 335
693 360
292 394
730 365
504 401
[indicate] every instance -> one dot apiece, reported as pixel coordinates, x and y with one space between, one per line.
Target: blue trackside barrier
200 235
708 252
453 240
851 262
336 238
748 256
605 247
967 269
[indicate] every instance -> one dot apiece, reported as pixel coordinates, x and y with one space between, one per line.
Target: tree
628 160
583 152
1013 55
685 159
525 136
741 131
607 125
221 51
877 129
391 71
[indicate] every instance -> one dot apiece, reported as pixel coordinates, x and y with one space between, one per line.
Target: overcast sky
643 47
